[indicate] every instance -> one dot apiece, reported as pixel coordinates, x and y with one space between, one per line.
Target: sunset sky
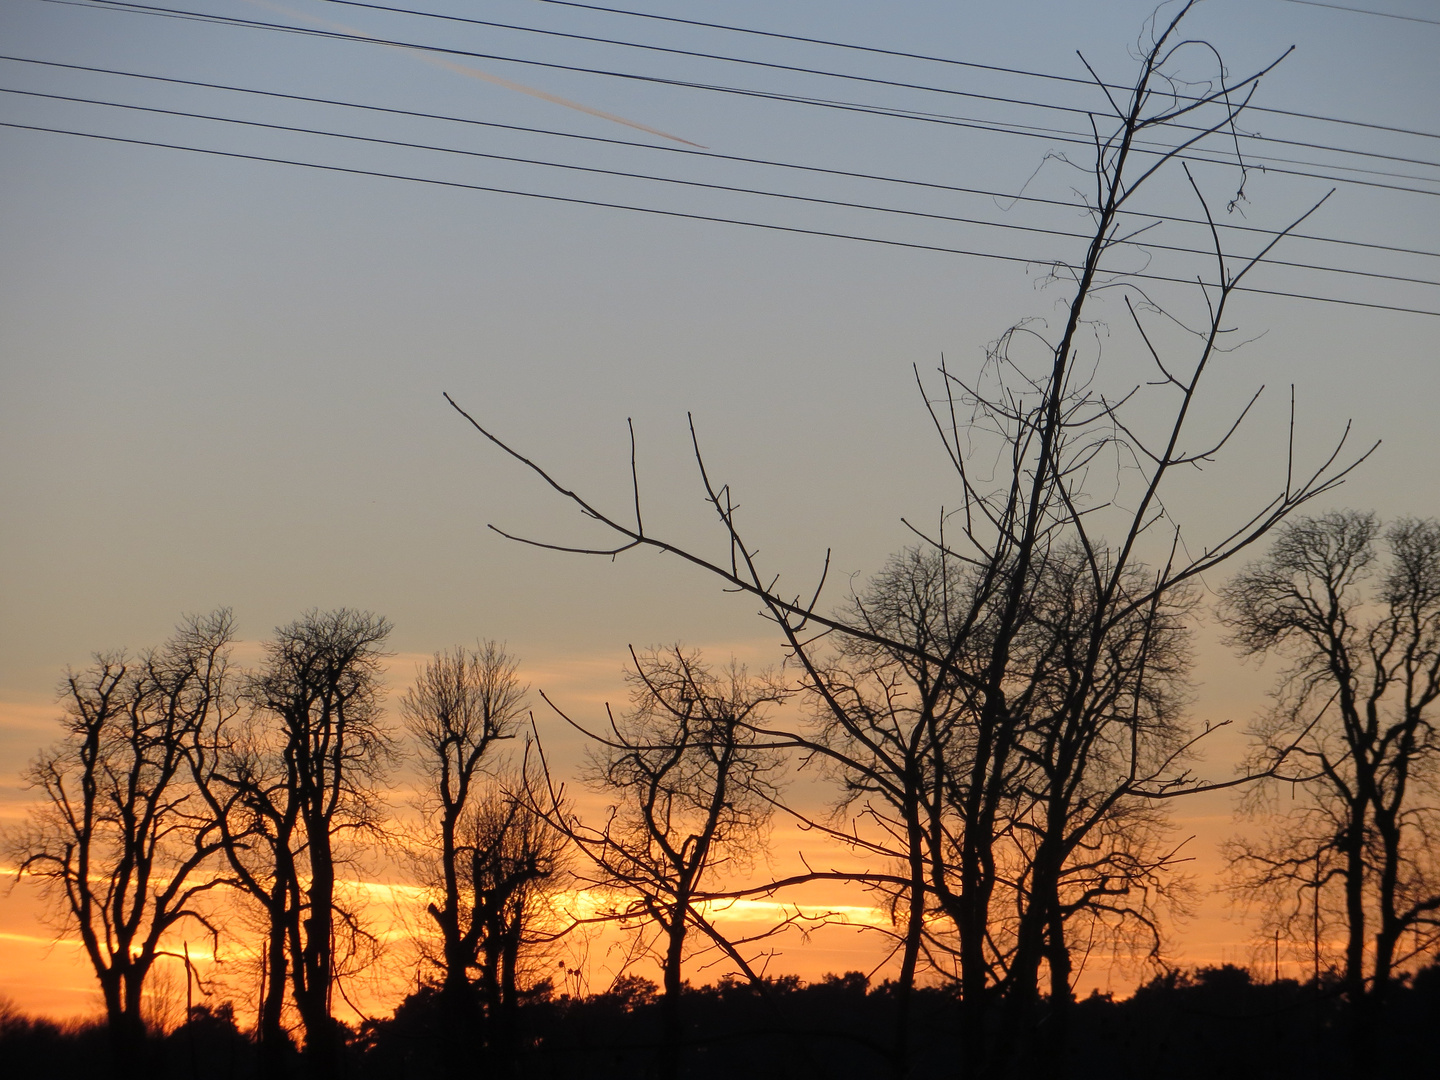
222 378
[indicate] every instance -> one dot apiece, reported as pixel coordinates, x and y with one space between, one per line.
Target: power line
715 155
694 54
140 8
1074 80
689 215
731 188
1068 109
1071 138
1358 11
1050 135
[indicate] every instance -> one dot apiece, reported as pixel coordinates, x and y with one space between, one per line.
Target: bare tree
243 781
891 724
517 863
462 704
1100 730
121 840
1057 463
292 791
693 789
1358 706
1072 841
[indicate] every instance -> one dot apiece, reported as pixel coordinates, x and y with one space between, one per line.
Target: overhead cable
708 185
689 215
715 155
1366 11
1071 138
1069 109
1072 79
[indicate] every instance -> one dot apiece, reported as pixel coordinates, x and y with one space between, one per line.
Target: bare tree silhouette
291 790
693 789
122 838
1357 709
477 851
1064 472
1073 842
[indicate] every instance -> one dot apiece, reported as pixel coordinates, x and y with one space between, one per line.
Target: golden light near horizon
47 972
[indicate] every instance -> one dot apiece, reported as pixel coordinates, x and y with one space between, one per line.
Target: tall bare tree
321 687
243 783
1056 459
122 839
1072 840
462 704
1100 732
292 790
891 725
1358 706
517 864
692 789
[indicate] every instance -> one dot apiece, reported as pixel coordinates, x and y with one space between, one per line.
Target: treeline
1200 1024
191 803
191 800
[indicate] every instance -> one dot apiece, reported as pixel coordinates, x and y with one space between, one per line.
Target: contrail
474 73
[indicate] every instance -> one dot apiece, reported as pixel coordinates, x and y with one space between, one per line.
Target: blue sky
223 377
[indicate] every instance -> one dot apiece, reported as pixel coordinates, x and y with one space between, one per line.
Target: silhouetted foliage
479 850
1183 1025
209 1045
1350 844
691 789
120 837
1180 1026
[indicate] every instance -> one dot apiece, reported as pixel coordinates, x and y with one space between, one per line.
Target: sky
222 377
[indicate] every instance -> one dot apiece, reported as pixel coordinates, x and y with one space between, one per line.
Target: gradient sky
222 378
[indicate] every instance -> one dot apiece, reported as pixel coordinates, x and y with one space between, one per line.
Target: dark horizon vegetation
1182 1025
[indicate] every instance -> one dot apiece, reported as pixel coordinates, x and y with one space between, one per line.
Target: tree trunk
124 1029
462 1025
671 1020
507 1019
905 984
322 1051
974 911
460 1011
492 983
1015 1041
1362 1033
312 992
1062 999
274 1042
1388 933
127 1046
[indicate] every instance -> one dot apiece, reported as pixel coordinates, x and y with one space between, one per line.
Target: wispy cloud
474 73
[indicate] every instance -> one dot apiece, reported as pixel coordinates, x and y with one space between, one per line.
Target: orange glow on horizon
51 976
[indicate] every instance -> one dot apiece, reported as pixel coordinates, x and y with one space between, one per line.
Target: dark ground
1215 1023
